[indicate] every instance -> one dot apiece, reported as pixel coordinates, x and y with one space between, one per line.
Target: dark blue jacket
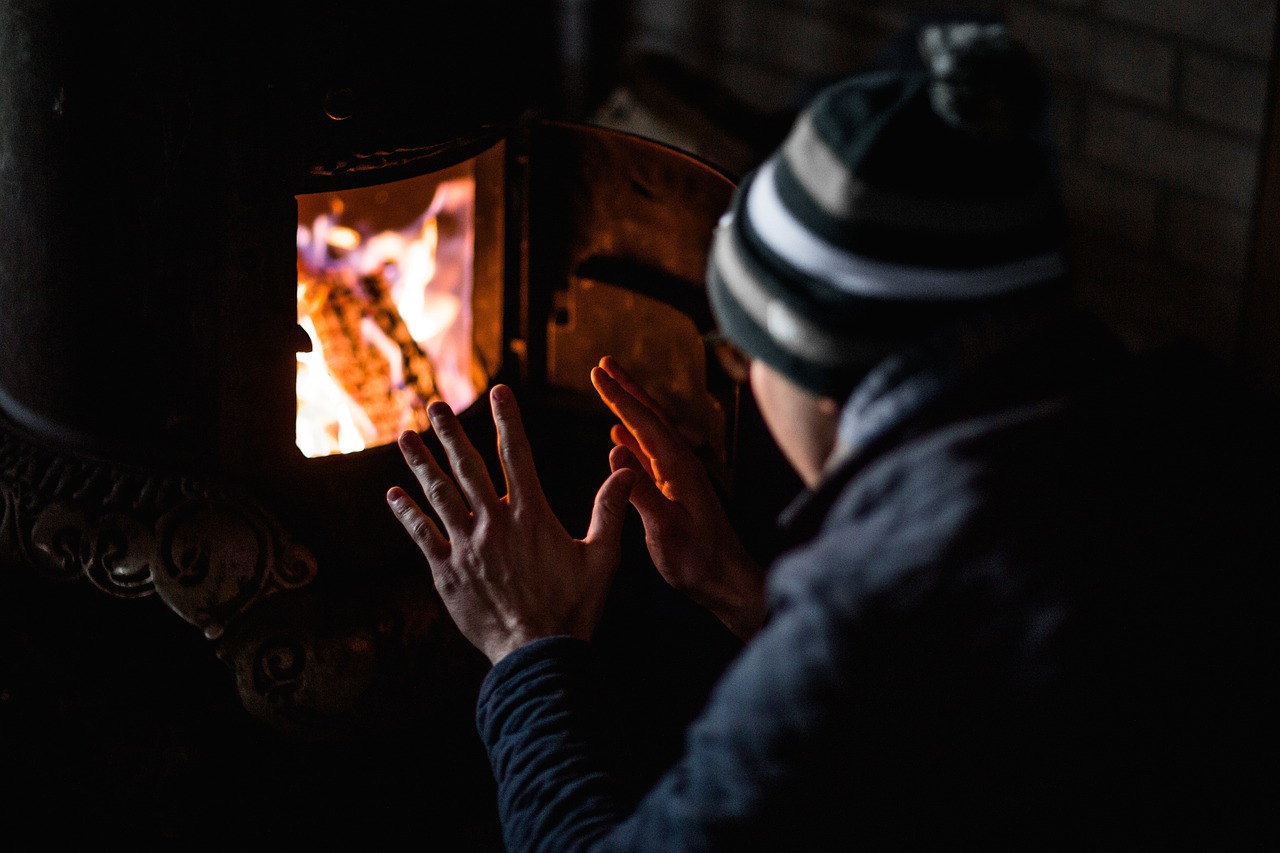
1027 609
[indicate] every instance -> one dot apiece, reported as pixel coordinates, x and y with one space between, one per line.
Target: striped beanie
898 196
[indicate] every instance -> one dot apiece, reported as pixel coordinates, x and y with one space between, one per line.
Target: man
1023 607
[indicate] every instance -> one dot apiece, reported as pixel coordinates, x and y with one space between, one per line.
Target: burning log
369 352
387 310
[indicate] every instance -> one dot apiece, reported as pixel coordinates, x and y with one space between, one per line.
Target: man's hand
688 533
504 566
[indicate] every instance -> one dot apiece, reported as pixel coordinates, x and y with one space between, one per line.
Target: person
1022 603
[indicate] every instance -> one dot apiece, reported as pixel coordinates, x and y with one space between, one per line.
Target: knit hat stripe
837 192
788 330
806 251
901 200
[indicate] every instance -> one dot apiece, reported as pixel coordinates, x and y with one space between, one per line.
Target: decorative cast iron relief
207 553
304 661
318 664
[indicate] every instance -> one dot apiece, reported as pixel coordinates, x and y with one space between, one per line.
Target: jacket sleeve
535 719
747 778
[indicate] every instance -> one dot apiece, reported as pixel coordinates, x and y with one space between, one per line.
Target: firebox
240 256
387 282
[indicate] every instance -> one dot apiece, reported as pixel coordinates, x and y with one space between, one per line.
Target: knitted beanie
897 196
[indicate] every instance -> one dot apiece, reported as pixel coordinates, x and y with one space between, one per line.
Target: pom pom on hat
982 80
895 194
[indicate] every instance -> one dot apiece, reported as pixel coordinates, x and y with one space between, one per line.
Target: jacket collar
982 364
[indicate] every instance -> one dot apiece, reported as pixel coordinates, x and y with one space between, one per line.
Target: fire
387 311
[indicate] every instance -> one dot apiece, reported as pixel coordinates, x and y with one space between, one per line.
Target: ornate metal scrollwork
302 662
207 553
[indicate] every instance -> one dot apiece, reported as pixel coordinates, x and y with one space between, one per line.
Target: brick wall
1160 107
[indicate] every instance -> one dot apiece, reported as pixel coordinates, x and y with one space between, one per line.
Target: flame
329 421
388 317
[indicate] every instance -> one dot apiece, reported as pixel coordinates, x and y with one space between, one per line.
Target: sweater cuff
517 673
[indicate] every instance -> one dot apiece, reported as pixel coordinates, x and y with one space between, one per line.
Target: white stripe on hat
789 330
859 276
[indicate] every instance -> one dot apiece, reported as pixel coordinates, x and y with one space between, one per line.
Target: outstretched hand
505 567
687 531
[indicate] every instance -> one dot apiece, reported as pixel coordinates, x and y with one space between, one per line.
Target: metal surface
149 156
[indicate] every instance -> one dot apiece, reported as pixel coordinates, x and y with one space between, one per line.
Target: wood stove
178 188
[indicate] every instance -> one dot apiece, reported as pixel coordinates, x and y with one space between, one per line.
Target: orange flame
388 316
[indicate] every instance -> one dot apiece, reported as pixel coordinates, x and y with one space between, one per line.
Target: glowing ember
388 315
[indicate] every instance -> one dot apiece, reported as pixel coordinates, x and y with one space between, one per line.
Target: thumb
610 509
645 495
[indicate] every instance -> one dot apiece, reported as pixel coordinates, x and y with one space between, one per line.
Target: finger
622 437
419 526
647 495
610 510
653 438
436 485
468 466
513 448
624 379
